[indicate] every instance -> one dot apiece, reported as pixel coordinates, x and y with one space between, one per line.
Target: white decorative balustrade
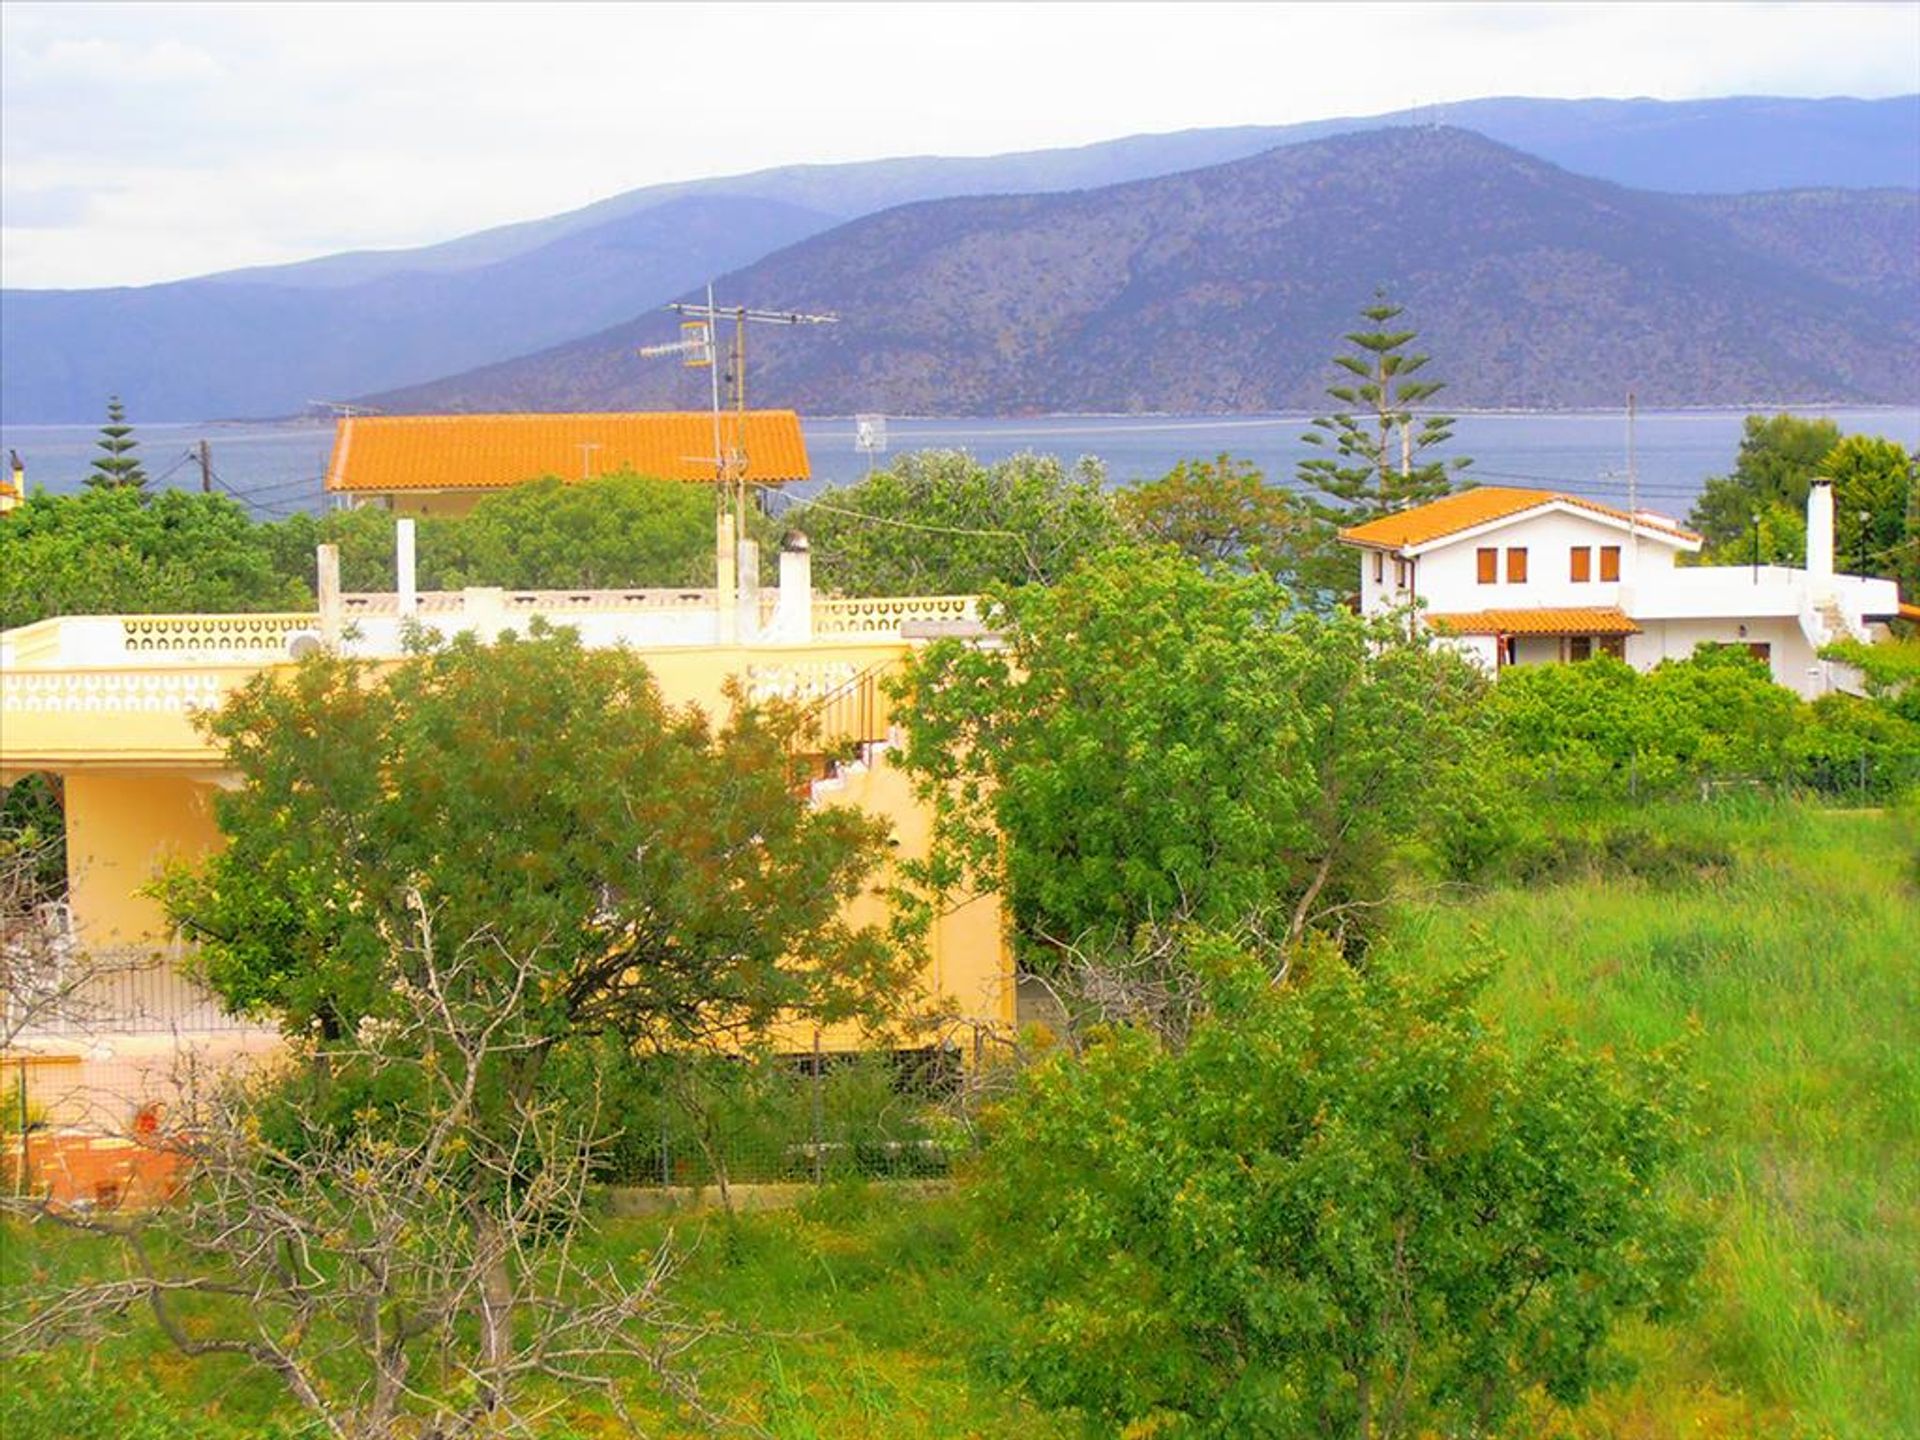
890 615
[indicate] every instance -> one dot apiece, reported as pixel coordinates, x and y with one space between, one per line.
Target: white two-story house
1522 577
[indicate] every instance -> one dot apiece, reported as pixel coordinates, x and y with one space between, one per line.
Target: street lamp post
1756 546
1863 517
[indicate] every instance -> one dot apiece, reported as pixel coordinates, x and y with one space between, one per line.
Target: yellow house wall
139 793
121 831
968 977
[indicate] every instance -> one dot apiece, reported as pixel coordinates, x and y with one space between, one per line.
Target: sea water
277 469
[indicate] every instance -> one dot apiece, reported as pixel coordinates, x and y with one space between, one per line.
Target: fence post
818 1138
22 1182
666 1156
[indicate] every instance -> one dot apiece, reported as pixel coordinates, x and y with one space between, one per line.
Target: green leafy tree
1220 513
611 532
1344 1208
118 467
544 795
1602 728
114 550
1874 478
1150 746
938 522
1778 459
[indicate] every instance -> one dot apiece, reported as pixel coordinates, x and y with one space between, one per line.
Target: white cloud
213 135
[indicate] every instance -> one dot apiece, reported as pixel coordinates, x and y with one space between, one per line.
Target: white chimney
1820 540
327 568
793 620
405 584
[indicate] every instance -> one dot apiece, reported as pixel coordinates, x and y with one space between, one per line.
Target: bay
279 468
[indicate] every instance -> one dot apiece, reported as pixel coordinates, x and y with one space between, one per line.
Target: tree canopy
1220 513
116 550
1151 746
939 522
1344 1208
654 865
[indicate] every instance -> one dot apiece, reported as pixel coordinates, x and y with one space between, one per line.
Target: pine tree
1377 437
119 468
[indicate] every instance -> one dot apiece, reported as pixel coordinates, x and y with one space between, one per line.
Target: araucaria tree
1379 438
118 467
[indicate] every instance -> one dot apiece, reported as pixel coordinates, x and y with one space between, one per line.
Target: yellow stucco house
444 464
106 703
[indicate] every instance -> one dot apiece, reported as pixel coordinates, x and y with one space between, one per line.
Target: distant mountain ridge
1226 289
267 340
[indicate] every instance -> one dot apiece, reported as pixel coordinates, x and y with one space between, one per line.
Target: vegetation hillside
1223 289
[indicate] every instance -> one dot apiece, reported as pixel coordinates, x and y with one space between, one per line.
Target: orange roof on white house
1572 620
1469 509
387 454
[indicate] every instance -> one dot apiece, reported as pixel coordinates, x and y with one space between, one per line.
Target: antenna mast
1633 497
698 342
733 553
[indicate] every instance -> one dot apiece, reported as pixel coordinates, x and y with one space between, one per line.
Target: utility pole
206 468
587 447
699 345
1633 500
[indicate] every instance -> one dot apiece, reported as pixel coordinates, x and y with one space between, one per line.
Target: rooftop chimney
793 619
404 573
1820 539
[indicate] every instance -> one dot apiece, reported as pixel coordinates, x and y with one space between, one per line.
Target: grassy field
1784 940
1796 969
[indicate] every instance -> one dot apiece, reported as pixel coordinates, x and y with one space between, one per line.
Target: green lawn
1796 970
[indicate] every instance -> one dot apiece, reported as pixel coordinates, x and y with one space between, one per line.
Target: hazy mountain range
1205 270
1227 289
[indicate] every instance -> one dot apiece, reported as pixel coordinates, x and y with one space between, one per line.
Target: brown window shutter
1582 563
1517 565
1609 562
1489 565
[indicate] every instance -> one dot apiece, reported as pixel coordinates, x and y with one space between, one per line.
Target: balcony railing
57 990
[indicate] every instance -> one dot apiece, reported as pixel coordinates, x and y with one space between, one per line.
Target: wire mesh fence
819 1118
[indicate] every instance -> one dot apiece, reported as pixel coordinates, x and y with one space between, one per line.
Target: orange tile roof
1579 620
1467 509
1909 612
381 454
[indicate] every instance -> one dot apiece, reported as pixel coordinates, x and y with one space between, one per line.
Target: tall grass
1796 971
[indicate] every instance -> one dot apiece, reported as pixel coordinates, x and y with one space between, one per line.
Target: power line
833 509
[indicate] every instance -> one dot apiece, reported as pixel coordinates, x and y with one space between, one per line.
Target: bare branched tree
391 1227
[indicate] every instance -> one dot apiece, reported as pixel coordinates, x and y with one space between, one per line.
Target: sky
153 141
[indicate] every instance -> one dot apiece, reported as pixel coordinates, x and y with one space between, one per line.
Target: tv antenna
698 344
